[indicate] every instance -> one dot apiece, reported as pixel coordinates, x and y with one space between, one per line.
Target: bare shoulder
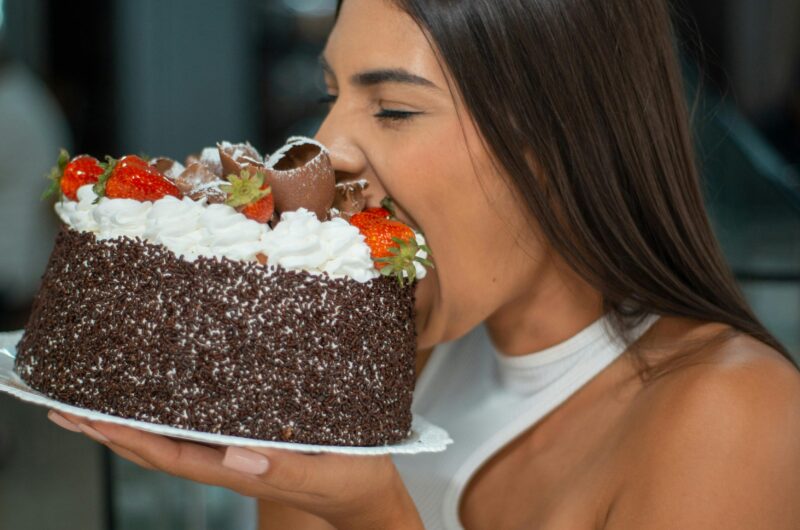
716 444
738 378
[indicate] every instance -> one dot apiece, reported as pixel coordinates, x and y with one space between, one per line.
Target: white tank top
484 399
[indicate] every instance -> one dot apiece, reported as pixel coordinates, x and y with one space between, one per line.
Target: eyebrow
383 75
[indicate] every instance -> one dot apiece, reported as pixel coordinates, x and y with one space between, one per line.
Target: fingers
62 422
188 460
72 423
294 472
77 420
281 475
133 457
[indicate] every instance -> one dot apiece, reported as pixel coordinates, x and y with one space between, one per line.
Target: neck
549 310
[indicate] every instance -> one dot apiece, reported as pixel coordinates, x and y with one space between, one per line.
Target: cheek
430 174
433 178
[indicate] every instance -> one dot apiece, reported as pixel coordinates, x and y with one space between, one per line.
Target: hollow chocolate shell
301 176
236 157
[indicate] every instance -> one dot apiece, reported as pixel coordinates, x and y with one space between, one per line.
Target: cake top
228 201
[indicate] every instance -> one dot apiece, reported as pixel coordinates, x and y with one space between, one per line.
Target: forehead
373 34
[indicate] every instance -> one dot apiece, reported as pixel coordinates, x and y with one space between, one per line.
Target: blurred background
167 77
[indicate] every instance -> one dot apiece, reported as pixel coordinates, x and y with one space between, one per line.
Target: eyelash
384 114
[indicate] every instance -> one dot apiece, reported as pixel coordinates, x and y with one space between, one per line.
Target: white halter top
484 399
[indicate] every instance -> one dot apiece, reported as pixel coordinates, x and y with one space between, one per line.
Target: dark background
166 77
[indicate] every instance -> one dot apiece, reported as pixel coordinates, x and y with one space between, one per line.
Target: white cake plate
425 437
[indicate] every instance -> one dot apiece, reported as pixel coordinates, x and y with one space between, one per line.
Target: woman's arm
275 516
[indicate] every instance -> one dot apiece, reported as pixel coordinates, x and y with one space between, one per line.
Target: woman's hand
348 491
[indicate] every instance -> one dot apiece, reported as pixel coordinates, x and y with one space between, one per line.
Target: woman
543 147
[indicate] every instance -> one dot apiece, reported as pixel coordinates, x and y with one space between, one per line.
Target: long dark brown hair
592 90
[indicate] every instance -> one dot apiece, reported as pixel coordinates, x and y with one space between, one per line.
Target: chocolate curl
302 177
350 198
209 157
167 167
236 157
198 181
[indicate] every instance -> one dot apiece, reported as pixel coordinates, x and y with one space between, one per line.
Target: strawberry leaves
245 189
100 186
54 188
400 262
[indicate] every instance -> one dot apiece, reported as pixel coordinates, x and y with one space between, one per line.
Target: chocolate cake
274 344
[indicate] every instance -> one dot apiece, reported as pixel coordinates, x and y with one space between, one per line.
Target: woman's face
395 123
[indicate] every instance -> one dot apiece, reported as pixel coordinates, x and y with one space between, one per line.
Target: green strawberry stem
401 262
99 187
388 204
56 173
245 189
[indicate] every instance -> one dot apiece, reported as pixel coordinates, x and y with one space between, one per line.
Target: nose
346 156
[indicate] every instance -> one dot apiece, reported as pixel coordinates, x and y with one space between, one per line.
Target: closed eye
395 115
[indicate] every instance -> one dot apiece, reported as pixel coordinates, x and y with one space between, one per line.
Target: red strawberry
262 209
80 171
386 210
133 178
251 195
393 245
380 212
69 175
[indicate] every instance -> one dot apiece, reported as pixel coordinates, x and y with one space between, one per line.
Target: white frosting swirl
175 224
78 214
301 242
420 268
121 217
193 228
231 234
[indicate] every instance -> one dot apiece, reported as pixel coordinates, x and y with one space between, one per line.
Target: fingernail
94 434
245 461
62 422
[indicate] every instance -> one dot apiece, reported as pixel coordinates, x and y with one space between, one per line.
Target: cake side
127 327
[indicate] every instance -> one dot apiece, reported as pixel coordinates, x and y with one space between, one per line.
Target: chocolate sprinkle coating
126 327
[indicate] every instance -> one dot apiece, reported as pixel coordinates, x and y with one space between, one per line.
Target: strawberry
131 177
385 211
69 175
380 212
393 245
250 194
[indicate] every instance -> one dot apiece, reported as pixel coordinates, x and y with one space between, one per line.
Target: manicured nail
94 434
62 422
245 461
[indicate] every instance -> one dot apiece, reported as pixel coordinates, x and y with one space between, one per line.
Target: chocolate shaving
350 198
167 167
198 181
